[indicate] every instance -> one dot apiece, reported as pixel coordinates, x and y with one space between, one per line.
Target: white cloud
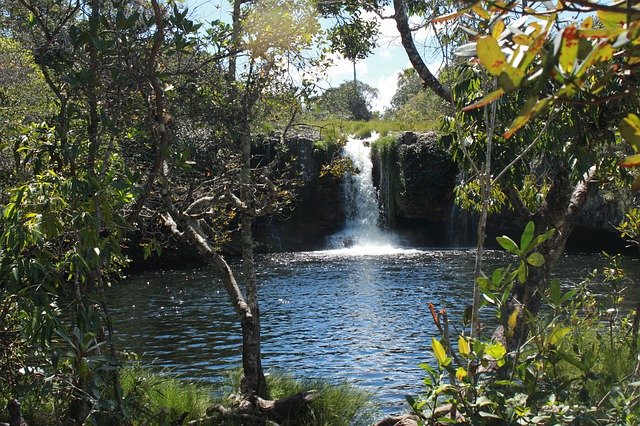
342 69
386 86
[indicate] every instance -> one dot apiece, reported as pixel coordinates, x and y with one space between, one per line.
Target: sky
379 70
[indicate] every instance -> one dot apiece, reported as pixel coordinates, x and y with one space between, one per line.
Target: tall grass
156 399
335 128
151 398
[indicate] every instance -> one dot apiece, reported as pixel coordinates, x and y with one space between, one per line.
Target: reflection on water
340 314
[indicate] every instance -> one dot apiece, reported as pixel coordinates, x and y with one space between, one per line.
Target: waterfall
362 229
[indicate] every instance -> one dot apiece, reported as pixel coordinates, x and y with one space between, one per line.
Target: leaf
630 161
496 94
602 52
513 320
558 334
498 29
439 352
461 373
527 236
612 19
508 244
608 33
587 23
568 49
463 346
531 109
535 259
522 272
490 55
450 16
555 292
496 351
478 9
510 78
635 186
630 131
533 50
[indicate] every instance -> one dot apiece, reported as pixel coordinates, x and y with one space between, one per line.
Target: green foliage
348 101
336 128
576 367
156 399
335 404
415 104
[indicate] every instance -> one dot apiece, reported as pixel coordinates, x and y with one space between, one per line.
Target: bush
576 367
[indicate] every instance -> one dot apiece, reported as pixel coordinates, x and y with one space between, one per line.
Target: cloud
342 69
386 86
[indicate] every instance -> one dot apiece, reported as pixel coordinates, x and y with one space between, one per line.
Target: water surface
345 315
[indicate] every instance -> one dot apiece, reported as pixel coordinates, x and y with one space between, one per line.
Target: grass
160 399
153 398
336 128
336 404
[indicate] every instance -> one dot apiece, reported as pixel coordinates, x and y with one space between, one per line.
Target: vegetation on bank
152 398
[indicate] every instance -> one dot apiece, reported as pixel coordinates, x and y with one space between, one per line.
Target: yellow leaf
496 94
522 39
513 320
587 23
461 373
450 16
558 334
490 55
533 50
531 109
568 49
498 28
630 131
439 352
463 346
477 8
612 19
630 161
608 33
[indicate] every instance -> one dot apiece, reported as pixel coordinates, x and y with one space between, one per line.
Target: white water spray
362 233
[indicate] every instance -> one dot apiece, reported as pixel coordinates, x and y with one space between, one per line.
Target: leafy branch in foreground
577 366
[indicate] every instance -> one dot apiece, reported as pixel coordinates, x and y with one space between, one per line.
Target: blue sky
379 70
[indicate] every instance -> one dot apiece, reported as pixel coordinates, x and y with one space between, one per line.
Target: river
356 312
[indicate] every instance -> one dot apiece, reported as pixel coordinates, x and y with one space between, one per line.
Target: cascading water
362 233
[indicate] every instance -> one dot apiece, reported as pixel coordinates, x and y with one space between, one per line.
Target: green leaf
630 131
490 55
535 259
555 292
527 236
557 335
508 244
522 272
496 351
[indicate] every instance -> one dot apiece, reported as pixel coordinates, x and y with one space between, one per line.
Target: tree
65 218
235 184
344 102
413 103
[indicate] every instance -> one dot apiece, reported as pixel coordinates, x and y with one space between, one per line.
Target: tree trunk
560 211
401 17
